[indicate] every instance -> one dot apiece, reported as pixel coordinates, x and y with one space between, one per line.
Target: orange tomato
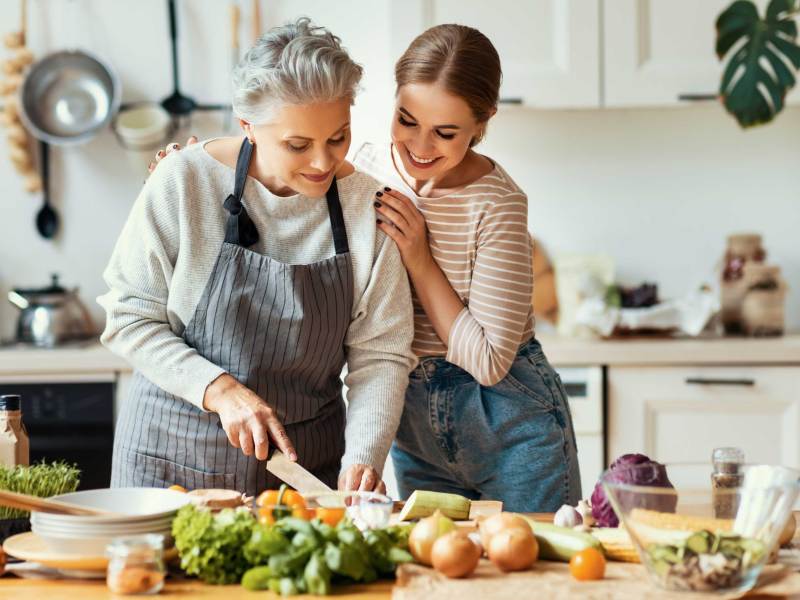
330 516
177 488
290 498
303 513
587 565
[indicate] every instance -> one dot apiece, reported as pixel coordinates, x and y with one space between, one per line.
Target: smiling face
432 129
302 147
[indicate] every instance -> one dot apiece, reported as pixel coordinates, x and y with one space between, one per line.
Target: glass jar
741 248
726 477
136 564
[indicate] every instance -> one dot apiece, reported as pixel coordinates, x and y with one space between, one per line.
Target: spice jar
726 478
742 249
136 564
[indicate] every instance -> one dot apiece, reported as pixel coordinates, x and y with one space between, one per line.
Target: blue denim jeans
513 441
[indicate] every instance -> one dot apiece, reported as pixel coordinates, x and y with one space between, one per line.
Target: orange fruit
587 565
330 516
177 488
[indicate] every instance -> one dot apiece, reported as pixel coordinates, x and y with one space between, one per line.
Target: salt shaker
726 478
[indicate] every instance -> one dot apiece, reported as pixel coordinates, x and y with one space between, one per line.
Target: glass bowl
367 510
696 536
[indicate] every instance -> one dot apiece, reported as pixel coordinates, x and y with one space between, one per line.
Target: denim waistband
434 367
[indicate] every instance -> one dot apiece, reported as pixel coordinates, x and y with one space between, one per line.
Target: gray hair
298 63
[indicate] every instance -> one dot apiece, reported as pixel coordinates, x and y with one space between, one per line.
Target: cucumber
561 543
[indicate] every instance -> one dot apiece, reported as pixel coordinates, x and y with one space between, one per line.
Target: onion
455 555
513 549
427 531
787 535
501 522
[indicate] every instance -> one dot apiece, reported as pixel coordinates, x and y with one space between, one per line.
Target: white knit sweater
165 254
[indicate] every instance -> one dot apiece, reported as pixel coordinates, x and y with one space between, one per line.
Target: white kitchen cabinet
662 52
658 50
549 48
680 414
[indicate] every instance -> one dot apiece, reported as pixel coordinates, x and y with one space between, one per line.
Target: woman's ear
248 130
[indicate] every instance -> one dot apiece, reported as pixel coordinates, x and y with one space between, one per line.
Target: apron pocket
152 471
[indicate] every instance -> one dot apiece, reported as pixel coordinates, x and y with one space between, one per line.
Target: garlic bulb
567 516
585 511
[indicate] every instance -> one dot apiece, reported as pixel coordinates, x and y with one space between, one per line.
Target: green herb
210 545
293 556
41 479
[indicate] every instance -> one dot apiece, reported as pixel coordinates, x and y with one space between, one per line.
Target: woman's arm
379 359
483 337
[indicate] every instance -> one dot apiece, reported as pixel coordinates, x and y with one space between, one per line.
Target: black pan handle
44 149
173 32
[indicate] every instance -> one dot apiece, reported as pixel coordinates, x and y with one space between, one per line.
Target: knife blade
293 474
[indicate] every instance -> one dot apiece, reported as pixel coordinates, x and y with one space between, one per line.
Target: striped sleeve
487 333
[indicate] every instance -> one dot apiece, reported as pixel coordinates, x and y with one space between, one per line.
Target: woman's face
431 129
303 146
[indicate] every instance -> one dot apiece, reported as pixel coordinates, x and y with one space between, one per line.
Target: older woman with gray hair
248 273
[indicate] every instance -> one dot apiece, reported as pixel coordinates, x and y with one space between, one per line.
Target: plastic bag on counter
688 315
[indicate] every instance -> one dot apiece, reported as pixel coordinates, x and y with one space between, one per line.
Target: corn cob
617 544
423 503
680 522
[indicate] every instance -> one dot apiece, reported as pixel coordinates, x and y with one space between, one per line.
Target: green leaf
753 93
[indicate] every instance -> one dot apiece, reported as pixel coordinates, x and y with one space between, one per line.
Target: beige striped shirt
479 238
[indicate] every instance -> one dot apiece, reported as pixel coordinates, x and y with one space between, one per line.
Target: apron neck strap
337 219
240 229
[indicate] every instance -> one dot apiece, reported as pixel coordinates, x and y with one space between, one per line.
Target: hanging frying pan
68 97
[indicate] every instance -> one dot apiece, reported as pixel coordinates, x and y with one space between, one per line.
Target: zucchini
561 543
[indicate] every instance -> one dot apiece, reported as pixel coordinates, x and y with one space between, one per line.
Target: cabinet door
680 414
548 49
658 50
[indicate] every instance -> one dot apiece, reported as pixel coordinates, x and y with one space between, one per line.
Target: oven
70 418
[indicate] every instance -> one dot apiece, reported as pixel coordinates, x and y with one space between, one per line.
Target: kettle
51 316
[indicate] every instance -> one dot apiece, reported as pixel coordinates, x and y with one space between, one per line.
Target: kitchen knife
293 474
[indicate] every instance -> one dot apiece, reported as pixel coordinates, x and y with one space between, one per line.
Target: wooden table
71 589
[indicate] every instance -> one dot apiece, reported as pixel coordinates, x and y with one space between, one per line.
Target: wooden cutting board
623 581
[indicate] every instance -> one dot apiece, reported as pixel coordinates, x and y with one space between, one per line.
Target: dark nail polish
386 189
379 194
377 205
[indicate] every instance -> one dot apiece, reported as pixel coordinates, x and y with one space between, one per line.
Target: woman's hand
407 228
171 147
362 478
246 418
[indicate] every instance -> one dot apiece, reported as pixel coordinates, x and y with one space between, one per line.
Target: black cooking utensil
47 218
176 103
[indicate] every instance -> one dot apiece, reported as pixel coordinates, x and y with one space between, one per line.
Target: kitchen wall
656 189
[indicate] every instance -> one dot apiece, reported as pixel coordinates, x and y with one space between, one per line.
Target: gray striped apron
279 329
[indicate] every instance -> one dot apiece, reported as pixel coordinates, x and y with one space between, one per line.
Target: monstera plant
763 58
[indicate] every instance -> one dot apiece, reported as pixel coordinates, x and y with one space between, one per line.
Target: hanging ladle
176 103
46 218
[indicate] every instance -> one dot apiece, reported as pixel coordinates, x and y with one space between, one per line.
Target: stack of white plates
137 511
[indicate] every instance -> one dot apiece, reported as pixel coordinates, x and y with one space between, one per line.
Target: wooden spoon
27 502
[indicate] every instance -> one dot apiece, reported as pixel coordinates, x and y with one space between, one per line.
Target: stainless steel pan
68 97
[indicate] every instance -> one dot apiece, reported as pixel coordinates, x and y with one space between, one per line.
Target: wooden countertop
90 357
731 351
70 589
26 362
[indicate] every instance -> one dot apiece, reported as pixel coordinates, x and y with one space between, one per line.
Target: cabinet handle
510 101
711 381
697 97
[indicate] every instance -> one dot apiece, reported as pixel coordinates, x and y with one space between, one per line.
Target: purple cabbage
620 471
